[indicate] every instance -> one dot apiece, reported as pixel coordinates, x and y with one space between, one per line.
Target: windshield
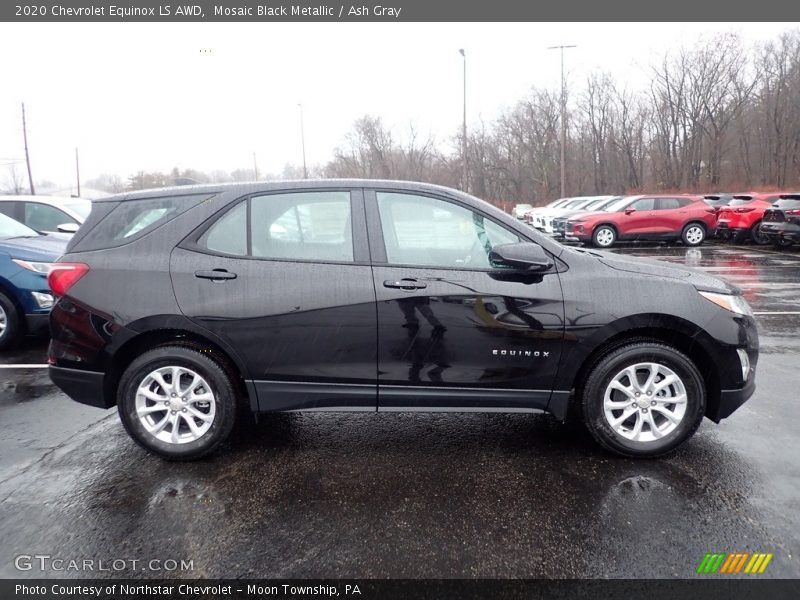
9 228
574 203
601 202
619 204
82 209
607 202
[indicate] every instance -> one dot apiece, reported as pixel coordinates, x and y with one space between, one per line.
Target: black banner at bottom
369 589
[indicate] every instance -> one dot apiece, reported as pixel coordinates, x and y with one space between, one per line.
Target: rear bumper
85 387
730 233
778 231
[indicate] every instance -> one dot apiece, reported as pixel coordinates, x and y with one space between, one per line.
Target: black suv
178 305
781 223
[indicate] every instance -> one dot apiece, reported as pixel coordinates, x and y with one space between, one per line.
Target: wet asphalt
416 495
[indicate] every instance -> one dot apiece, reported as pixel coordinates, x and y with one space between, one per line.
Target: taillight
63 276
794 211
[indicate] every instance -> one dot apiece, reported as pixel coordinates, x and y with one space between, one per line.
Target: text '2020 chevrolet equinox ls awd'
179 304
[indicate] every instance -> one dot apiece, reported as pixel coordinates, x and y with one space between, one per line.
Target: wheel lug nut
172 411
638 394
173 395
649 393
653 403
184 410
166 403
644 410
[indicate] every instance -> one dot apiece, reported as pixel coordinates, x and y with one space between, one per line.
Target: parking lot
416 495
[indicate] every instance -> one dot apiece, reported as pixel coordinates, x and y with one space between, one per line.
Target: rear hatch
786 208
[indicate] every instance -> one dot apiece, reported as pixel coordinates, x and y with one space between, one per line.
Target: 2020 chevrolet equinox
181 305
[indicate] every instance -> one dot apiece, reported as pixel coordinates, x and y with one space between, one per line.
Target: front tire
643 400
11 326
604 236
176 402
693 234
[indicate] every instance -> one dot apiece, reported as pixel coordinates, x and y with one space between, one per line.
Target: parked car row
763 218
34 232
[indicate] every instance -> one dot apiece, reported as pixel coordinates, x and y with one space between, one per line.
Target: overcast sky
137 96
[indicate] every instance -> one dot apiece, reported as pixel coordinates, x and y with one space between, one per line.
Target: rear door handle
405 284
215 275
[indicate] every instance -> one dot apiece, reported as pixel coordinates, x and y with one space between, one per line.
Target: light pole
78 172
464 126
303 141
563 122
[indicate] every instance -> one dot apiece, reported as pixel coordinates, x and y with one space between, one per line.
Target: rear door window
667 204
314 226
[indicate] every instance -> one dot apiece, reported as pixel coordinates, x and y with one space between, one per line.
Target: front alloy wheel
643 399
604 236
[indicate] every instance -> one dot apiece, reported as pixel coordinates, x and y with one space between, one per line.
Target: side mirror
630 210
68 228
524 256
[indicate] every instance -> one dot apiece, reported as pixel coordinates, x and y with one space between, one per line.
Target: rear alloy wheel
757 236
177 402
604 236
693 234
643 400
10 323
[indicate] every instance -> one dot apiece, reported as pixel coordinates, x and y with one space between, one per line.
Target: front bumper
37 322
85 387
730 400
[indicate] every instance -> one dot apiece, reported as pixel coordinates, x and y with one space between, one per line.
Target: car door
638 219
453 331
671 214
284 278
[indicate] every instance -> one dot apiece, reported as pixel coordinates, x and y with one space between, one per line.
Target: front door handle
215 275
405 284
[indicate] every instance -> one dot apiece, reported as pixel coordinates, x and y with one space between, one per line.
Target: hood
41 248
654 268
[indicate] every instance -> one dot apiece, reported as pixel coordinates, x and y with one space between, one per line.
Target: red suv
687 218
741 219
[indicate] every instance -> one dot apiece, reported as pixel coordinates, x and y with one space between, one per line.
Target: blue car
25 297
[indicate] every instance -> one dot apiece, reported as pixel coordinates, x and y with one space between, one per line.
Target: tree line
716 116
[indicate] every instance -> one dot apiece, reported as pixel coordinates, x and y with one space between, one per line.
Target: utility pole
563 122
255 166
464 126
303 141
27 156
78 172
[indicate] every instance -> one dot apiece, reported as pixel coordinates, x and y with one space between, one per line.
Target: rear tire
758 237
176 402
648 424
11 326
604 236
693 234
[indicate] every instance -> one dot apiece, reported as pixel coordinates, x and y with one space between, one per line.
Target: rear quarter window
133 219
787 203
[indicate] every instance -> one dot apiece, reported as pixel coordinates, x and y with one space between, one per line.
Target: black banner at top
396 10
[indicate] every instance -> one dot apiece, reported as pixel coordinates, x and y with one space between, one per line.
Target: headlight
37 267
734 303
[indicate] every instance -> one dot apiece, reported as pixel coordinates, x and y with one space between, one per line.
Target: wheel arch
154 332
671 330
